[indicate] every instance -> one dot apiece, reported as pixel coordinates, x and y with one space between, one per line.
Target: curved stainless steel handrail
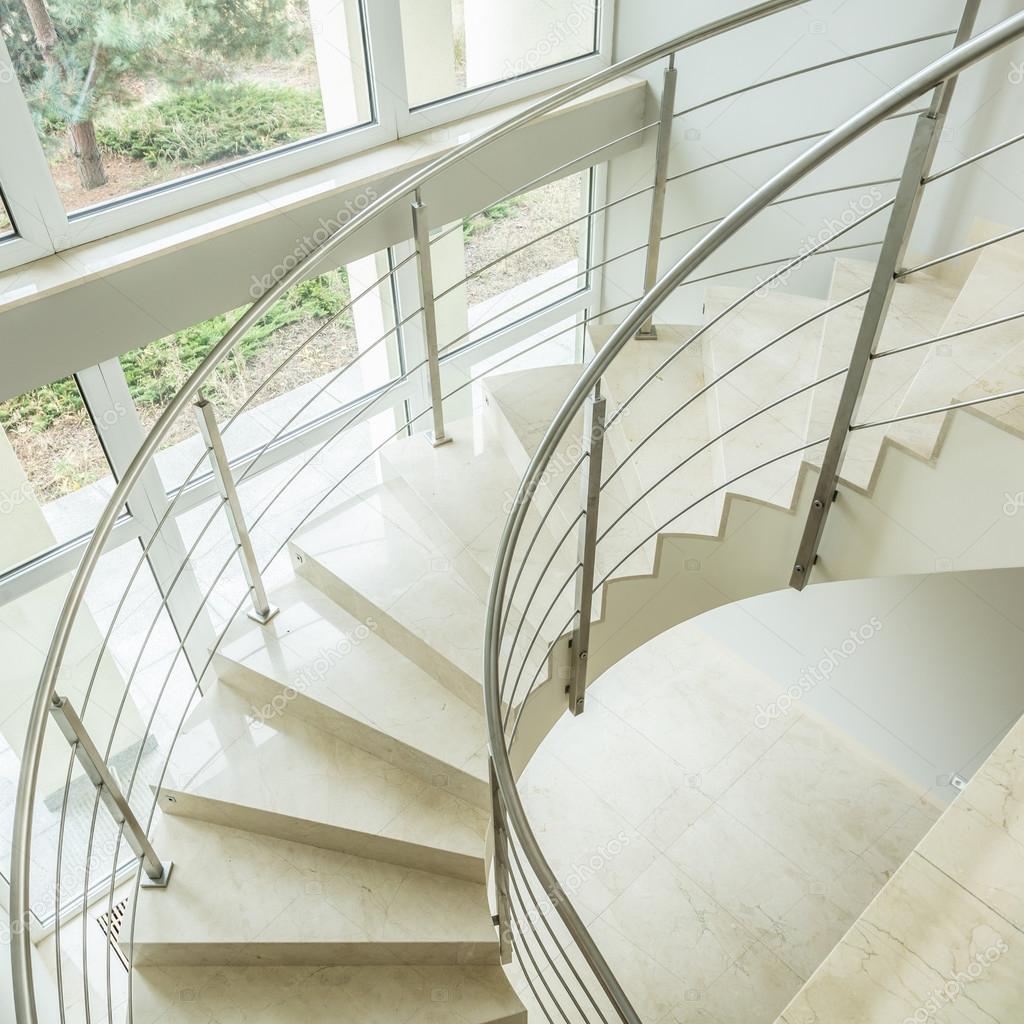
951 64
24 996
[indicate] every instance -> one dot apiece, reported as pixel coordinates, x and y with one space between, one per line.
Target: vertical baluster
156 873
925 141
421 234
262 610
590 497
503 915
664 151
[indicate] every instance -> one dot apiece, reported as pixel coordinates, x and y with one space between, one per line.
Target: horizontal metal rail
963 332
810 137
965 251
783 202
540 238
714 440
710 385
809 69
984 400
546 177
974 159
779 274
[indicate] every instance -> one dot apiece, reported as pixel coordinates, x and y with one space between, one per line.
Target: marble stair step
521 406
325 995
981 363
784 367
246 899
652 447
470 485
268 771
379 565
318 662
918 310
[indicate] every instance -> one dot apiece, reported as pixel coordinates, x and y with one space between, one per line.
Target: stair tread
774 320
526 402
663 449
446 479
982 363
269 760
327 995
394 566
918 309
341 662
236 888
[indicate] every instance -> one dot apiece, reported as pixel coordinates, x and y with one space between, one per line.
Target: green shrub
500 211
210 122
156 372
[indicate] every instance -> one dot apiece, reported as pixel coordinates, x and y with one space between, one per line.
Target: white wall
930 681
986 110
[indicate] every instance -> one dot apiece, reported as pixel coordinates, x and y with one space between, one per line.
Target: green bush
210 122
156 372
500 211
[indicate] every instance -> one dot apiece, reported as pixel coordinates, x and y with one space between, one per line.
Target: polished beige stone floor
715 862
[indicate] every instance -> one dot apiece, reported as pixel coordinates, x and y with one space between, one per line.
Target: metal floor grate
110 925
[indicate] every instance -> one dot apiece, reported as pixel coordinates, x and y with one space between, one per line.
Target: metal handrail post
923 145
664 151
421 234
502 899
262 610
590 496
157 873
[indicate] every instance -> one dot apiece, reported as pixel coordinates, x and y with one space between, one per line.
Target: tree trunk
81 134
86 151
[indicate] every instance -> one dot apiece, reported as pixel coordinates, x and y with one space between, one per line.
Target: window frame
42 226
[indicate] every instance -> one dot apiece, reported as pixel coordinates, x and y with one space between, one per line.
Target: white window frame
44 227
486 97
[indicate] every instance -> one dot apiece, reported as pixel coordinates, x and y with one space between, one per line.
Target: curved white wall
924 671
985 110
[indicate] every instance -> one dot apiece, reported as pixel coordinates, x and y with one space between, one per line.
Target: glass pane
6 227
452 46
327 339
505 285
54 477
138 747
132 96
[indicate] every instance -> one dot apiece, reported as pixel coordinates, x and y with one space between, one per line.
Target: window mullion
383 19
30 193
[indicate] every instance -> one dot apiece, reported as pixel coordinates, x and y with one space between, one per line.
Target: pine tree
74 58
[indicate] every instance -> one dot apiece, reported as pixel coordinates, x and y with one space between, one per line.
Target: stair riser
263 692
449 675
324 835
297 954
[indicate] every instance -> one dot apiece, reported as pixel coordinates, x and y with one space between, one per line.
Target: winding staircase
331 799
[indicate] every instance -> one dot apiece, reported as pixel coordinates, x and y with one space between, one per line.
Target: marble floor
721 868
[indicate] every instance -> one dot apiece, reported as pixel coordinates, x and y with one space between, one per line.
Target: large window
117 114
309 338
54 476
126 97
6 227
456 46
